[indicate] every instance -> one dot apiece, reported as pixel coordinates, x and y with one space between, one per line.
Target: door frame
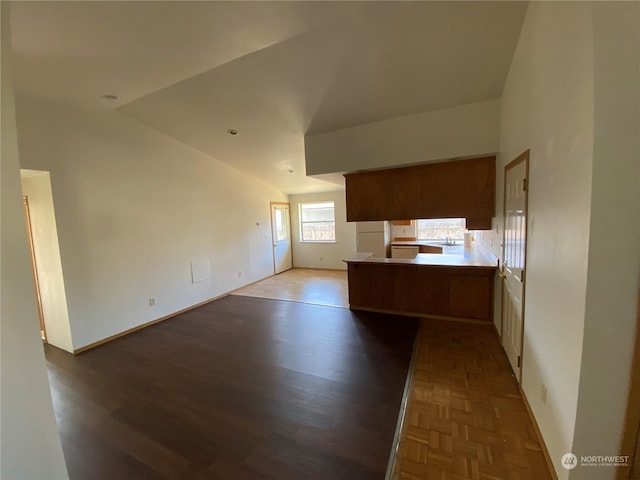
34 265
273 233
630 444
523 157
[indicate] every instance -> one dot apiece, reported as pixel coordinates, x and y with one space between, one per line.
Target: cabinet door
404 252
460 189
470 296
398 288
430 249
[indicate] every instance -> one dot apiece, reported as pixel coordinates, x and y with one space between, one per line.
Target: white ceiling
274 71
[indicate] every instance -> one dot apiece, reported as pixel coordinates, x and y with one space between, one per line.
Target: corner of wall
30 442
547 107
614 241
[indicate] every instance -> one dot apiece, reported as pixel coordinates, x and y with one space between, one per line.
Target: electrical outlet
152 302
543 394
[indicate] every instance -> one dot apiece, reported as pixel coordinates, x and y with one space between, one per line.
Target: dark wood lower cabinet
429 249
471 295
460 292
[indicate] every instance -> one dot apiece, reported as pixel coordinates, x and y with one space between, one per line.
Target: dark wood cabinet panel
456 189
417 289
406 288
479 223
429 249
470 296
368 286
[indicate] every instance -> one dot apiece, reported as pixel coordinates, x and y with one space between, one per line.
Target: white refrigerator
373 237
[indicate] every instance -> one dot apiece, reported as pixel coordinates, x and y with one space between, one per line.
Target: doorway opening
42 237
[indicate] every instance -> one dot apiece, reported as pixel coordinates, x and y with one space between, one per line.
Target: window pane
317 212
281 225
319 232
317 222
441 228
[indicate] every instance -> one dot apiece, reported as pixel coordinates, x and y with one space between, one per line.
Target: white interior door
281 233
513 260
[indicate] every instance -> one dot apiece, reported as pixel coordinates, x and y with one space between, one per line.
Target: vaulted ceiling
273 71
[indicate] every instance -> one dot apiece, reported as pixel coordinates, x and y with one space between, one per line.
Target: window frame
303 223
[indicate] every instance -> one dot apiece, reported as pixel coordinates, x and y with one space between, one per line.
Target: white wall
37 187
572 98
323 255
462 131
547 106
30 445
134 208
614 238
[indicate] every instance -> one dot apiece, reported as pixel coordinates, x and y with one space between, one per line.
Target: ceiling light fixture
232 131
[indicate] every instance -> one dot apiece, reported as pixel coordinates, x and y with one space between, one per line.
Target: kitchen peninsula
448 285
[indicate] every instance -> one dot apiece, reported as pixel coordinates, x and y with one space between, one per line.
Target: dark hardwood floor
240 388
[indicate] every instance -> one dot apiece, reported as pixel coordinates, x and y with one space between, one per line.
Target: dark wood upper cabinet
454 189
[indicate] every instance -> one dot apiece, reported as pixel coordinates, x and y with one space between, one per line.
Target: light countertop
410 243
458 256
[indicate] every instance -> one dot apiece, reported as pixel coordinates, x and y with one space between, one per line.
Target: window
281 223
441 228
317 222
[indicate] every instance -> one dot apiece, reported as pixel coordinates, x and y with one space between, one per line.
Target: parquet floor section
320 287
465 418
241 388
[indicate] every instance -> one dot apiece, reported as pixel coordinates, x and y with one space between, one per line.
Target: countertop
458 256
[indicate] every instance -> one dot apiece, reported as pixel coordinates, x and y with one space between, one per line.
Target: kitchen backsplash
491 239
